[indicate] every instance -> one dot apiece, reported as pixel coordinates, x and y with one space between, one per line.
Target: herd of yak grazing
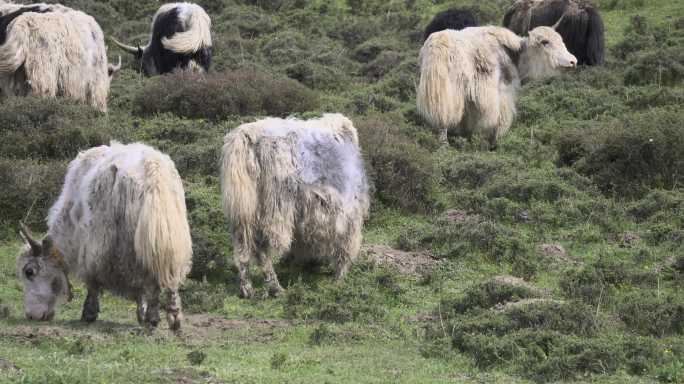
294 188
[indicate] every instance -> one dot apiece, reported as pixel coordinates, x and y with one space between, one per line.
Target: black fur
582 33
450 19
165 61
8 18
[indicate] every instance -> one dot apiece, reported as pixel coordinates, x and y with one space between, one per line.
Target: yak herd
291 188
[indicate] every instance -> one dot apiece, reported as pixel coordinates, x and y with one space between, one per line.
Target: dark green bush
661 67
218 96
490 293
650 314
29 188
49 128
403 173
627 158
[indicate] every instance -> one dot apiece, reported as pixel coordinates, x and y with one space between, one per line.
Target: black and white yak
453 18
581 26
296 186
119 225
49 50
180 39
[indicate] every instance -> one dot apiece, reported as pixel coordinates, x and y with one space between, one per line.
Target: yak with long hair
581 26
119 225
49 50
180 39
296 186
453 18
469 78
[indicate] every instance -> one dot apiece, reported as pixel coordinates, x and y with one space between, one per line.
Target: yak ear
36 247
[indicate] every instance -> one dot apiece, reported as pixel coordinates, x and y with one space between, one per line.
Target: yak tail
595 39
436 98
162 237
196 37
239 171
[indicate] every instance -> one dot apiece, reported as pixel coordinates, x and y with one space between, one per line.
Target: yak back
165 25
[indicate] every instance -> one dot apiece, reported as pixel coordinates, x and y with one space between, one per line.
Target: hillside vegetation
557 257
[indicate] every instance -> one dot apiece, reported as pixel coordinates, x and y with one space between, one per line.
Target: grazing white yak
119 225
53 51
469 78
294 185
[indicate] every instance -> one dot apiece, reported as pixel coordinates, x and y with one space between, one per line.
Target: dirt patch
454 216
186 376
198 329
408 263
629 240
7 367
555 255
524 303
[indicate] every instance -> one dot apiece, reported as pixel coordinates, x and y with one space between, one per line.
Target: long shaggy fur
582 28
295 185
120 220
453 18
469 78
196 25
58 53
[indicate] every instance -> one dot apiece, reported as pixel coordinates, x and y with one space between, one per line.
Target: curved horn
127 48
28 237
558 23
112 69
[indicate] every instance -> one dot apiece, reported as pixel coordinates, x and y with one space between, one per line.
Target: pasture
557 257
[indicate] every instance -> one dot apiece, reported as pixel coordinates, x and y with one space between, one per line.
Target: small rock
523 216
408 263
629 239
555 254
4 312
6 366
524 303
454 216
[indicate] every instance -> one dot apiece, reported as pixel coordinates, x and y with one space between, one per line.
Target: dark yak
453 18
581 28
180 38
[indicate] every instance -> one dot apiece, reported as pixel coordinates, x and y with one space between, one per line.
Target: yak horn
128 48
26 234
555 26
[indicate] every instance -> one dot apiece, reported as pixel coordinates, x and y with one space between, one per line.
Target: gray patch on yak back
326 161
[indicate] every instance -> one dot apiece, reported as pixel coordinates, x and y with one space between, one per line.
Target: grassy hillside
557 257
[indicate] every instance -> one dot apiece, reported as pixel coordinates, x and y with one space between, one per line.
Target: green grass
574 170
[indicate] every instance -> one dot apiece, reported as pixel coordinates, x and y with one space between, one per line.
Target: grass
575 170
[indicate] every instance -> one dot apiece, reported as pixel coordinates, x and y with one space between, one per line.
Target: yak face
41 270
544 55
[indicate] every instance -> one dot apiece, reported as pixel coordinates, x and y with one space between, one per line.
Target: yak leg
141 310
174 313
242 258
151 294
91 306
266 262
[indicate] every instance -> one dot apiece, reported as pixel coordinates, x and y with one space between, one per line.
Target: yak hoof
275 290
88 317
174 320
246 291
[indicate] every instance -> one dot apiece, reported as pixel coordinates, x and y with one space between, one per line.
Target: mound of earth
408 263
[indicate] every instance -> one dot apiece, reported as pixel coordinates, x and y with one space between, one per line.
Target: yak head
141 54
41 268
544 54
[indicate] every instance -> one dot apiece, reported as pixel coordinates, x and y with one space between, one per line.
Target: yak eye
545 42
29 273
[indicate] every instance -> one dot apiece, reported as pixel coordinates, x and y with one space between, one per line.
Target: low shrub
29 188
403 173
663 67
218 96
628 157
490 293
650 314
